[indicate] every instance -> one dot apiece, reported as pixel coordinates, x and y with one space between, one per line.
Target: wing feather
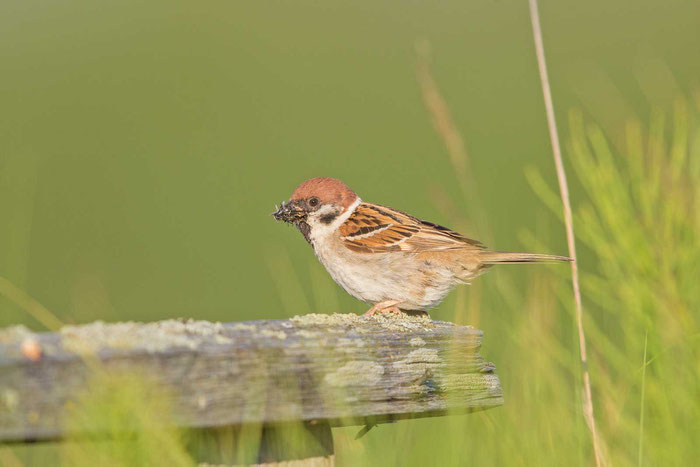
374 228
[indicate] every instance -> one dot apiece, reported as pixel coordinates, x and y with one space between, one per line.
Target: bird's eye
313 202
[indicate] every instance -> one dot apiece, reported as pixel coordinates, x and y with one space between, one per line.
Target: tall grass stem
568 219
641 404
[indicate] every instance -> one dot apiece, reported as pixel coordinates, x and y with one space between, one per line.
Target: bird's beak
289 212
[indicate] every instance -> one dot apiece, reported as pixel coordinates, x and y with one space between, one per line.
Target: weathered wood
336 369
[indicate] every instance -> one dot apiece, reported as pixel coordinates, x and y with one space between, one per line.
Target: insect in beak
289 212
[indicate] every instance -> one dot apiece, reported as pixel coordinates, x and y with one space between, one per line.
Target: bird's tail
506 257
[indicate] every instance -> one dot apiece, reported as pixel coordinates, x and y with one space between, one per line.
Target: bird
384 257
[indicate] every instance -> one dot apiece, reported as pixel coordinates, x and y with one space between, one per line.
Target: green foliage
641 220
130 421
639 224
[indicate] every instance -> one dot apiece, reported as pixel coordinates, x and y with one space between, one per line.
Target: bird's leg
387 306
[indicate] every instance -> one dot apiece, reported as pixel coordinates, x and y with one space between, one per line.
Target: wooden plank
339 369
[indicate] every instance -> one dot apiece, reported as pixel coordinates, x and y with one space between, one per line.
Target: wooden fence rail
316 370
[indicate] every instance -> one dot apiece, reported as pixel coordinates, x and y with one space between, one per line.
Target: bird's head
316 204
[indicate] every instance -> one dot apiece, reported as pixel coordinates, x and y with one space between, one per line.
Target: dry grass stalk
568 219
28 304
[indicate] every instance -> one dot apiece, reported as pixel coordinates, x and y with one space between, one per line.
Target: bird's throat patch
305 230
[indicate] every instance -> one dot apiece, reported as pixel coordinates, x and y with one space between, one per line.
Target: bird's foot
388 306
390 309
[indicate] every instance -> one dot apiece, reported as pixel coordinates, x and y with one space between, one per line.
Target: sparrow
385 257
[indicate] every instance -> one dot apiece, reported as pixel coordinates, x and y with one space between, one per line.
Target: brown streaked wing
374 228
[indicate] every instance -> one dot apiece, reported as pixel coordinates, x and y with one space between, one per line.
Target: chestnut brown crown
327 190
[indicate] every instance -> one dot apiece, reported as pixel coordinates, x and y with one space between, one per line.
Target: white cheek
320 229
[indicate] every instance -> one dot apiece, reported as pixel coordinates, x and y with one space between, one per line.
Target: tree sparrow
386 257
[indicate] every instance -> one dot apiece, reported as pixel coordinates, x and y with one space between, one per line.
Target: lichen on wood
153 337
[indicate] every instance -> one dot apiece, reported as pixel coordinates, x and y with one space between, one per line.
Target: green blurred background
144 146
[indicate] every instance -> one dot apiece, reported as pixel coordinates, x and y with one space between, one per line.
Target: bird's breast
375 277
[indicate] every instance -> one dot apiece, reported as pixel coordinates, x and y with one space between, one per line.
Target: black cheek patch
328 218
